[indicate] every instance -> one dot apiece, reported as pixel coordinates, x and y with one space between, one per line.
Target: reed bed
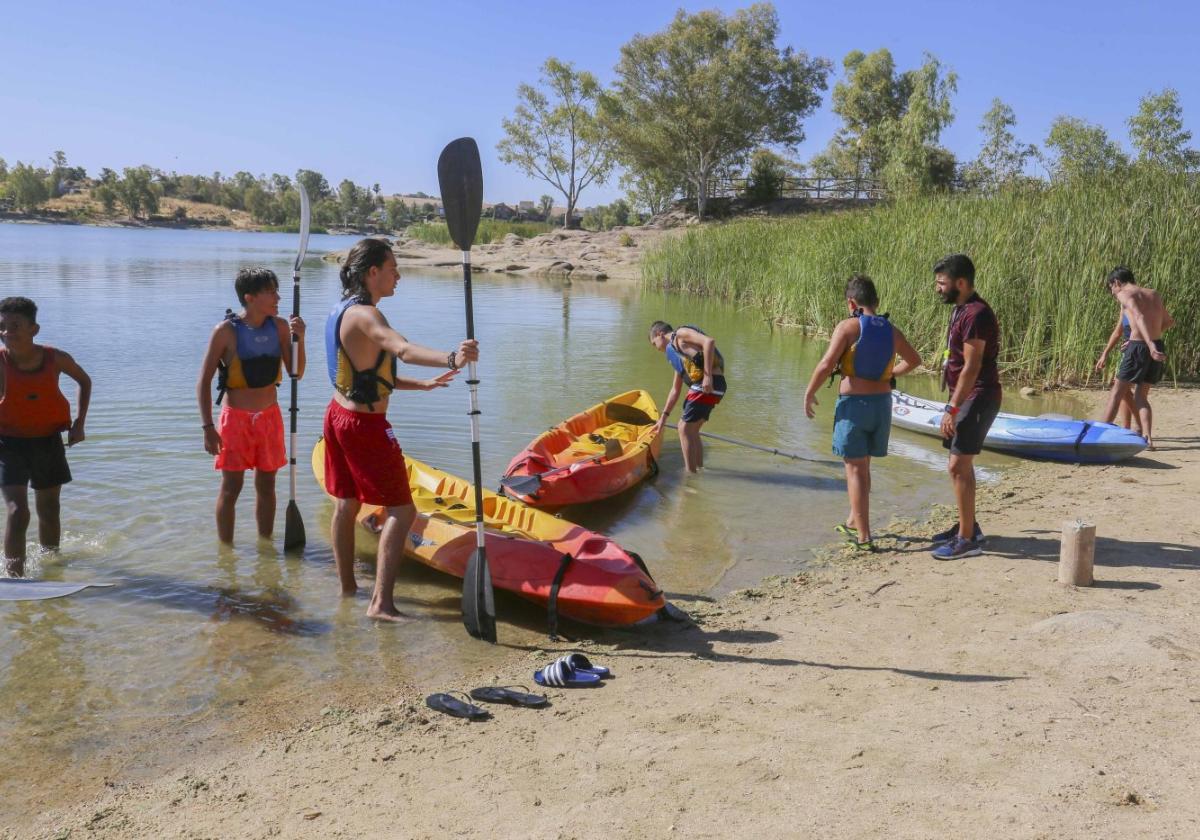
490 230
1041 256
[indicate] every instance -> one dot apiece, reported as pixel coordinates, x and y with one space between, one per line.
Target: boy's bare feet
14 566
391 614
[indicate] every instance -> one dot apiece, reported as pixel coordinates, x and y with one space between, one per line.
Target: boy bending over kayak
363 460
248 352
863 350
33 415
698 363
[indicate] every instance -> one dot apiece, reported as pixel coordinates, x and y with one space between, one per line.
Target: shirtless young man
1144 353
363 460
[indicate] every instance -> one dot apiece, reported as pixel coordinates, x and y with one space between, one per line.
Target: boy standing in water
970 373
363 460
248 352
863 350
697 361
33 415
1143 356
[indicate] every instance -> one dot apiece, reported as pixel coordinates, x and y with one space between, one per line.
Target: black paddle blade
478 601
621 413
460 177
293 528
522 485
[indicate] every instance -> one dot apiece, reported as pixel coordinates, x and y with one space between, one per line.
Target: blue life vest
360 386
874 354
691 368
258 359
1126 330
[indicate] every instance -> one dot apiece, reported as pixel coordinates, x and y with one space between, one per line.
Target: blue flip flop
583 665
562 674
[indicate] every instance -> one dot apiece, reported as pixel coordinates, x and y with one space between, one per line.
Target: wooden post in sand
1077 552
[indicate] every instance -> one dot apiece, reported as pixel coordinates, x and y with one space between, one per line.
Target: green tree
27 188
1081 148
545 205
314 184
554 135
1157 133
768 174
704 92
260 205
916 163
1003 158
106 195
649 190
397 213
870 100
3 170
138 192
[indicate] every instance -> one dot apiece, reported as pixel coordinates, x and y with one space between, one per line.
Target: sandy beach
893 696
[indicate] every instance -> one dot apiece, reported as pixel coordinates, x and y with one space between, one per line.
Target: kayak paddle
293 527
460 177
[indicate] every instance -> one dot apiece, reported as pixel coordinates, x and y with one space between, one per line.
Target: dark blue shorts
862 424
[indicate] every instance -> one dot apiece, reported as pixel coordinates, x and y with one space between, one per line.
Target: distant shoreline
138 224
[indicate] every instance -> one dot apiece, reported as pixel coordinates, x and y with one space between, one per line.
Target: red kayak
598 453
602 584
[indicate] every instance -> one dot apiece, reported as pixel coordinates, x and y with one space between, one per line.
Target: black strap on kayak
552 606
651 590
1079 440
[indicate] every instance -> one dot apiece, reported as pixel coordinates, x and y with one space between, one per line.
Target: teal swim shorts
861 425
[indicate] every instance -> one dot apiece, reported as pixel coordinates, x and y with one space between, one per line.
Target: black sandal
505 694
448 704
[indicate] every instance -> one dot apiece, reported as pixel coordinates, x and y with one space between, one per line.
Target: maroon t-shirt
974 319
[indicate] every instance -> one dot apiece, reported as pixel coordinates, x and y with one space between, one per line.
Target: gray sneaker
956 549
952 532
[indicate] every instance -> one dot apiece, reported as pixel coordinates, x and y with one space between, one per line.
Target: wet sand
892 696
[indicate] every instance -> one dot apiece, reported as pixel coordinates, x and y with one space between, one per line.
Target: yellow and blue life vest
691 368
873 356
257 360
360 386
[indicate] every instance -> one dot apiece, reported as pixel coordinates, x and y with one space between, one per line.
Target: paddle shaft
293 530
769 449
473 388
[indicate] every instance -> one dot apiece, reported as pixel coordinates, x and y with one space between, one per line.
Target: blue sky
372 91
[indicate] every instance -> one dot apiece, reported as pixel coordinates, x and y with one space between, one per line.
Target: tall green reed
490 230
1041 256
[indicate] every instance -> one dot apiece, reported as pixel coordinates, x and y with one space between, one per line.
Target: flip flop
505 694
560 673
865 545
448 704
846 531
583 665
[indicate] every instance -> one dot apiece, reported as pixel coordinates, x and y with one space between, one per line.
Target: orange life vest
33 405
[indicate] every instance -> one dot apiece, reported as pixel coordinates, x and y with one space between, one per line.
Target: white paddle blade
305 215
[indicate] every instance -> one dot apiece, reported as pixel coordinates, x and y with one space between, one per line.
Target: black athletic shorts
974 419
39 462
1138 366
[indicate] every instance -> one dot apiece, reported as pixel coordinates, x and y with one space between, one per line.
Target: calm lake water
191 631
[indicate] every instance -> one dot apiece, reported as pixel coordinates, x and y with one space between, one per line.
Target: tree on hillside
1157 132
554 135
3 169
704 92
649 190
1003 158
314 184
768 173
138 192
545 205
27 188
1081 148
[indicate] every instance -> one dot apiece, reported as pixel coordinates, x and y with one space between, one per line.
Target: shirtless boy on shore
33 415
1143 356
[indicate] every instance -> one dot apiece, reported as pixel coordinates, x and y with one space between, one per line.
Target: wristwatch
950 409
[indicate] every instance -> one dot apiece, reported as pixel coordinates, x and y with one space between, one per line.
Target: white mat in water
18 589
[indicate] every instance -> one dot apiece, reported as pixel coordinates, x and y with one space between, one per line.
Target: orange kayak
598 453
603 584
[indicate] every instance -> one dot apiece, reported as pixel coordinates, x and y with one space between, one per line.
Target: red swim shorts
363 459
251 440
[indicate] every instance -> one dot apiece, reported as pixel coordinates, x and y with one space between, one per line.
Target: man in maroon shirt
970 373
